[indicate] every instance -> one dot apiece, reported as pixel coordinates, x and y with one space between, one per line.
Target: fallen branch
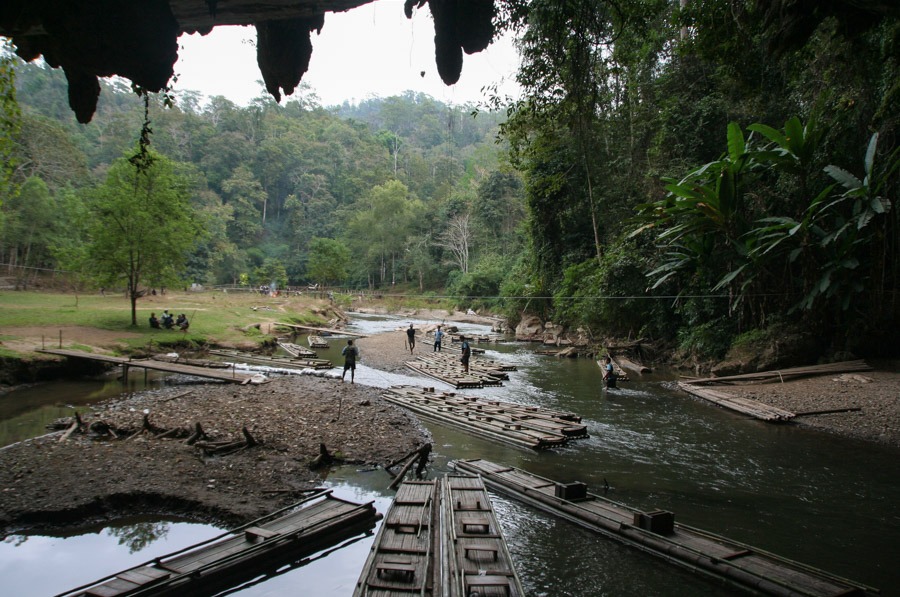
420 456
76 424
197 435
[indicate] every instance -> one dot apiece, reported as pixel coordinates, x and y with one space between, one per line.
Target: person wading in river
350 353
411 338
609 374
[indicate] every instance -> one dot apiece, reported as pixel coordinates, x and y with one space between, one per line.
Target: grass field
28 318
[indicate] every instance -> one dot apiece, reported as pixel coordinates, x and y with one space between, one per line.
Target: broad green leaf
769 133
794 132
848 180
870 155
736 144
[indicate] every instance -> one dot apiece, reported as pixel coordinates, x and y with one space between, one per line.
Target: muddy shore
48 482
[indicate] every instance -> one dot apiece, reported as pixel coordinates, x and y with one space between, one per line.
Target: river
822 500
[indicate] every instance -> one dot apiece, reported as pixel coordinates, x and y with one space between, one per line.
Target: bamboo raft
477 366
274 361
714 556
316 342
439 537
187 361
239 555
524 426
785 374
449 371
328 331
753 408
297 351
226 375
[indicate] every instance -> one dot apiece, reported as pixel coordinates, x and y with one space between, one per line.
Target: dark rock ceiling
137 39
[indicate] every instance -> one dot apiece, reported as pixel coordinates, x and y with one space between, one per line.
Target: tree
456 239
140 228
10 122
329 261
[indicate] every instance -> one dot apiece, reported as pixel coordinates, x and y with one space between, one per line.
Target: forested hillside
396 191
706 173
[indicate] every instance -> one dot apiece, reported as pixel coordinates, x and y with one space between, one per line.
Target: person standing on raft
466 354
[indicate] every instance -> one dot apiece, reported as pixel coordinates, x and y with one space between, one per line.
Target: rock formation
138 39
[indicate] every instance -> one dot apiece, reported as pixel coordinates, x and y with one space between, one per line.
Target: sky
373 50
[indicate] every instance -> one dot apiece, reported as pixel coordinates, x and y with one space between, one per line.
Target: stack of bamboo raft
528 426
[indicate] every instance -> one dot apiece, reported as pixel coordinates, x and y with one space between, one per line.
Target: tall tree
140 228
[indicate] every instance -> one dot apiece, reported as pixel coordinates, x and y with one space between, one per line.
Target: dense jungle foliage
704 172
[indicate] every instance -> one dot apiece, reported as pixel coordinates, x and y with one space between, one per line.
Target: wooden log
828 412
403 458
197 435
251 441
76 424
420 456
150 427
323 459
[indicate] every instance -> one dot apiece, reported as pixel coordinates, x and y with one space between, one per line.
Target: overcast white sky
371 50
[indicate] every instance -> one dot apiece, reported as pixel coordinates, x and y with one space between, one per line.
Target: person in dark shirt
154 322
350 353
466 354
411 338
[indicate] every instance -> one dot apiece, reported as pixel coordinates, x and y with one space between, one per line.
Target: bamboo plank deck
439 537
447 369
477 366
242 554
219 374
524 426
297 351
402 559
755 409
274 361
711 555
316 342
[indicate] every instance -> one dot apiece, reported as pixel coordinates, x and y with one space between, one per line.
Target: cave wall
138 40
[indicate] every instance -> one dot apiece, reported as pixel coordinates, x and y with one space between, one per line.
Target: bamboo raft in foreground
227 375
524 426
316 342
242 554
753 408
297 351
274 361
711 555
439 537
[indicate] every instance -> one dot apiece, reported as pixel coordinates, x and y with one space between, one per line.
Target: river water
821 500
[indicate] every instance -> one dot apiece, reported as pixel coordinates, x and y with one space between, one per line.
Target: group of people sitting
168 322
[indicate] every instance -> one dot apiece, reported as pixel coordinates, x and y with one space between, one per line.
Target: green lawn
215 317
